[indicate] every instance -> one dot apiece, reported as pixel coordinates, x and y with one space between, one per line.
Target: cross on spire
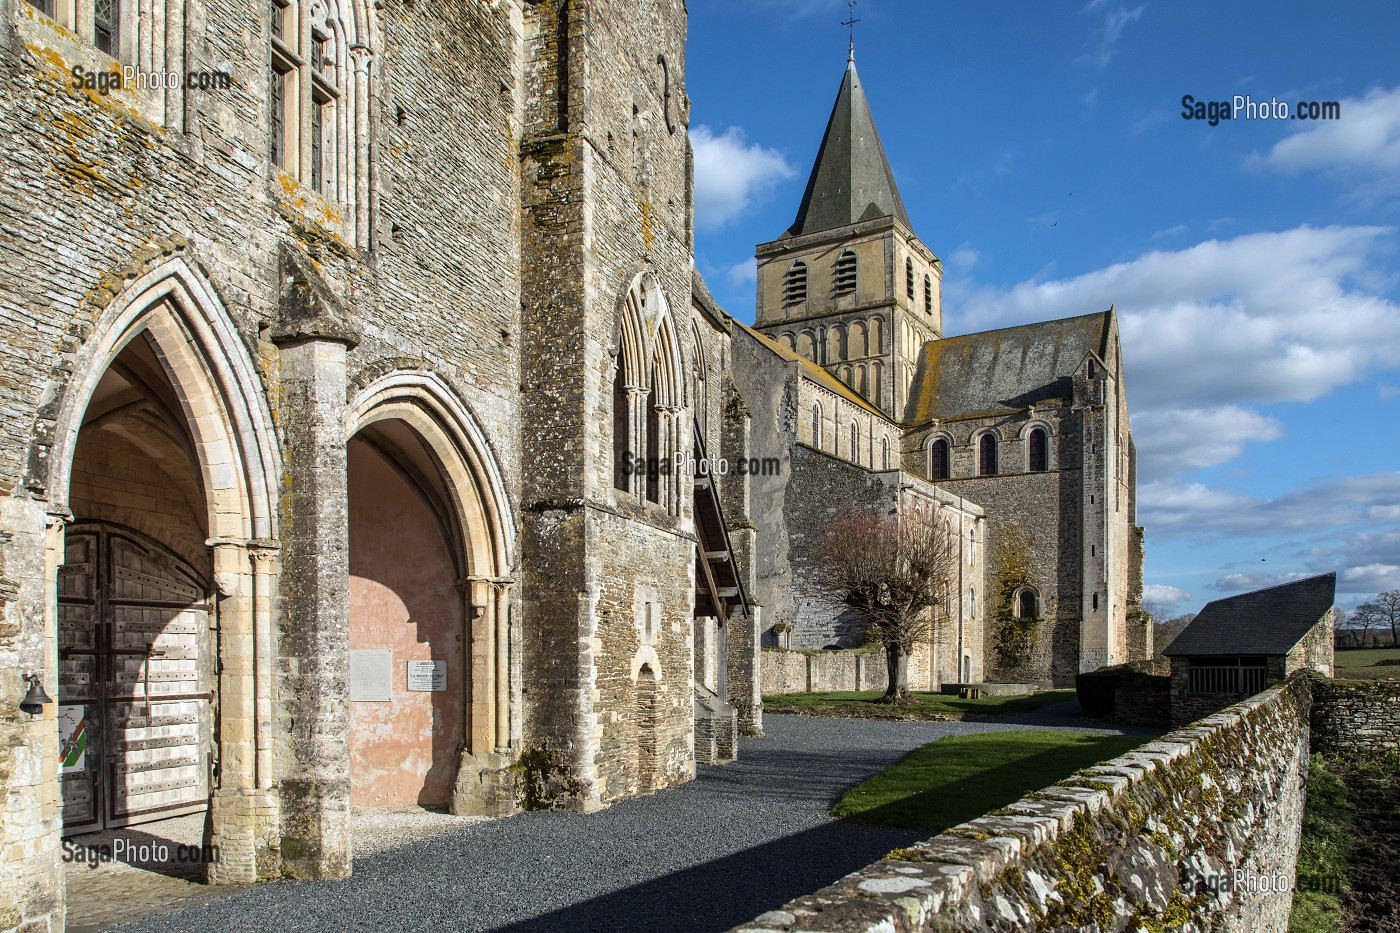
851 24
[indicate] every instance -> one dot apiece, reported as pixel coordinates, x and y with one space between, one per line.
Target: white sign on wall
371 675
427 676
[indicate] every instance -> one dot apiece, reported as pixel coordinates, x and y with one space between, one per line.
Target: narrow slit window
928 294
909 277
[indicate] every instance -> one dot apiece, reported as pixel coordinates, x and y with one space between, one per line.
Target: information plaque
371 671
427 676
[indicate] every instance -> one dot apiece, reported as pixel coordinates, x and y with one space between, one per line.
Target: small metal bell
34 700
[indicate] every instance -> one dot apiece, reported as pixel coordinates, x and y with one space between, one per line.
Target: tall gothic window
817 426
620 426
928 294
855 442
106 15
938 459
314 137
846 267
885 453
987 455
909 277
1038 456
285 67
795 284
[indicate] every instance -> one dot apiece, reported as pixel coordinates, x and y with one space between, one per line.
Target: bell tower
849 285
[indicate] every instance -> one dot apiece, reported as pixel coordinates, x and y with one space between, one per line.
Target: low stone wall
1356 716
1151 840
816 671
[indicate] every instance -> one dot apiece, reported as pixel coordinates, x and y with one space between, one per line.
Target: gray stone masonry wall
1314 652
810 671
819 488
1036 537
1138 842
605 198
1356 716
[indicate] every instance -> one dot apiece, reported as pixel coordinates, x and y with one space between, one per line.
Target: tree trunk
897 669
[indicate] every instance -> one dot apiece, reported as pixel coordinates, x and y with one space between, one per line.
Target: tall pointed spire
851 180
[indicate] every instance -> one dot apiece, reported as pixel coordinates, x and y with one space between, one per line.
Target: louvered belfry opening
846 266
795 284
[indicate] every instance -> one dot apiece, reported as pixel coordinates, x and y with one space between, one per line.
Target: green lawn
927 705
1322 853
961 777
1365 663
1365 657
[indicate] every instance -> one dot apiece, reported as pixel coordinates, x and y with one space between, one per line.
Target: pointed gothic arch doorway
431 541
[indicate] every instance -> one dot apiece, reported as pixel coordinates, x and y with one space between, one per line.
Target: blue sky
1041 153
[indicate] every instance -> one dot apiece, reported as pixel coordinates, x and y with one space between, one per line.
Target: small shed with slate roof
1238 646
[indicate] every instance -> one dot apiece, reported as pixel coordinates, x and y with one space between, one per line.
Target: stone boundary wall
787 671
1139 842
1356 716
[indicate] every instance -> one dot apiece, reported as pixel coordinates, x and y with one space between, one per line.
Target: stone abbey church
325 368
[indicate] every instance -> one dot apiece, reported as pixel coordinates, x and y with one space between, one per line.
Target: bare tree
895 570
1384 610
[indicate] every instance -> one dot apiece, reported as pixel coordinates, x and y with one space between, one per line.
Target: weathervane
851 24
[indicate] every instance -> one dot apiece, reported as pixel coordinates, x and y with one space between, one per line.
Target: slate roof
1005 370
1265 622
851 180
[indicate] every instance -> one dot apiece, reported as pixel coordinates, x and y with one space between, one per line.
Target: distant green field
1364 662
963 776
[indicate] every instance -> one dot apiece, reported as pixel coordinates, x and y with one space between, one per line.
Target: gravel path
739 840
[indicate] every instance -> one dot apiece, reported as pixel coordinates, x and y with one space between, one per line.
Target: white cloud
1364 142
731 174
1161 594
1194 510
744 272
1115 18
1172 440
1246 582
1212 329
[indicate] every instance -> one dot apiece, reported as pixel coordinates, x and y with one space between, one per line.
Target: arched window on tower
987 455
1038 455
938 459
1028 604
909 277
846 268
795 284
928 294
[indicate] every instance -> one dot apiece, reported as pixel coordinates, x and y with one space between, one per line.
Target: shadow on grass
962 777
